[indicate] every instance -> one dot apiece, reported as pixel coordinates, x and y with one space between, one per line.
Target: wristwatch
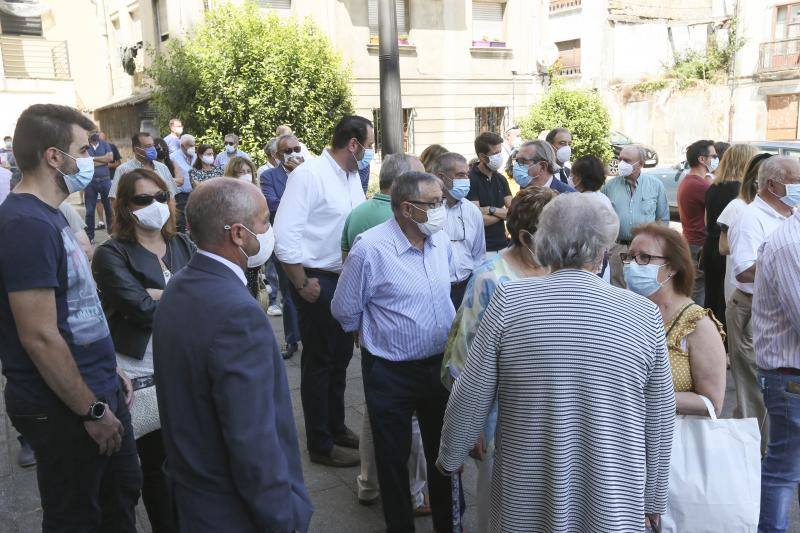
492 209
95 412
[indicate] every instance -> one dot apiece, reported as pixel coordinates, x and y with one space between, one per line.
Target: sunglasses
147 199
295 150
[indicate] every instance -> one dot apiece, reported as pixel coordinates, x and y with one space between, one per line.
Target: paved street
333 491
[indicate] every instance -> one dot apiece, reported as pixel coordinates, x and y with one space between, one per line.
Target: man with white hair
270 150
182 161
231 151
771 207
285 129
637 199
535 165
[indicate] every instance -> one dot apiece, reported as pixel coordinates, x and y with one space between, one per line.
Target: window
408 130
787 22
569 57
490 119
782 117
12 25
401 9
162 23
275 4
487 21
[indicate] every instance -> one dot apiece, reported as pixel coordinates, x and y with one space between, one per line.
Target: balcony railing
779 55
570 70
556 6
25 57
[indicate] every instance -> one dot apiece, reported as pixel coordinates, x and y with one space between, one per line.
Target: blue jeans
101 187
272 279
780 469
291 326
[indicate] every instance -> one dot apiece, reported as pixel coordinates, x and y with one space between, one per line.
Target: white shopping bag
714 475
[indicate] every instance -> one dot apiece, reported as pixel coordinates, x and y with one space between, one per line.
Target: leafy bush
581 112
246 72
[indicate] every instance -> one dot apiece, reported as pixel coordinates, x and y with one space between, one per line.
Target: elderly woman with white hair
586 405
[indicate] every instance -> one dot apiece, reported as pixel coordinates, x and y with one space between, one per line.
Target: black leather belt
143 382
319 272
788 371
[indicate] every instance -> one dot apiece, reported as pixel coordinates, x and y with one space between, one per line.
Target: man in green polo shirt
378 209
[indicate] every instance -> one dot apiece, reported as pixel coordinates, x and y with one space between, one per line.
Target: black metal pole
389 61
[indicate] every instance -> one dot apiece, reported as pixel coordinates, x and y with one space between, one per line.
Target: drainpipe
389 62
732 79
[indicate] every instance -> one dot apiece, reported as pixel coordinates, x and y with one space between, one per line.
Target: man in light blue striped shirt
637 199
395 289
776 339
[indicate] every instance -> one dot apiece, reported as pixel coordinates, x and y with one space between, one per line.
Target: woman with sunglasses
132 269
658 265
204 167
245 170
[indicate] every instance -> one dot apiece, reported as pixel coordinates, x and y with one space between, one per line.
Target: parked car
620 141
671 176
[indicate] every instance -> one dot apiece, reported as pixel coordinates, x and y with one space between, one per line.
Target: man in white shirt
308 231
463 225
757 222
512 140
182 161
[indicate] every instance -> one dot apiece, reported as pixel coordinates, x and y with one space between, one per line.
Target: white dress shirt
776 302
464 227
757 222
308 230
726 218
230 264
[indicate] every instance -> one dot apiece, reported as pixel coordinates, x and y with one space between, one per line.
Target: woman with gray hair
586 405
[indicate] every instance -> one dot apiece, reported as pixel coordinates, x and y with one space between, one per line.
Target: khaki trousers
749 399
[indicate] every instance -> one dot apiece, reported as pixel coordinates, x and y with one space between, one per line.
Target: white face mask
208 159
625 169
191 151
230 148
495 161
266 244
246 177
436 218
152 217
8 145
563 154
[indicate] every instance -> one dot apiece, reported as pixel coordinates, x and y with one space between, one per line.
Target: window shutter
12 25
275 4
401 11
487 20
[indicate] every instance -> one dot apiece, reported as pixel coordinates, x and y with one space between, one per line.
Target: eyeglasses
229 144
295 150
640 258
431 205
524 162
147 199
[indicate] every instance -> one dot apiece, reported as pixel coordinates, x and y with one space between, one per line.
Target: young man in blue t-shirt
63 393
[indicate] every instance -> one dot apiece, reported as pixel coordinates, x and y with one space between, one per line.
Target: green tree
581 112
245 72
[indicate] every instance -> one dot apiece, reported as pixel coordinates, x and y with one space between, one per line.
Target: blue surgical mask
151 153
82 178
642 279
792 198
521 176
460 188
366 159
712 166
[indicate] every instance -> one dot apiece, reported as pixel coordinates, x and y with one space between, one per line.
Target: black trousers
155 496
714 268
181 199
327 350
457 291
80 489
394 391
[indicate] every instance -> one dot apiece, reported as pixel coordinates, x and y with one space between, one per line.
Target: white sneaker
274 310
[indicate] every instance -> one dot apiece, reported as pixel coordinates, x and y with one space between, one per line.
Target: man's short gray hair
446 162
574 231
775 168
542 151
406 187
186 138
641 153
392 167
232 136
272 146
216 203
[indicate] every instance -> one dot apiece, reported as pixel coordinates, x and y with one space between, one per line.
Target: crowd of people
551 334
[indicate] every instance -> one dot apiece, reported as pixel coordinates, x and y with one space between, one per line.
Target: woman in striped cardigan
586 405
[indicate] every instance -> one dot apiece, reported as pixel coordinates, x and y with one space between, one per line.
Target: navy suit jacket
273 185
560 186
226 415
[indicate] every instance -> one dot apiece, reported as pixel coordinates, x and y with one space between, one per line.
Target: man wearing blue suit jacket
226 415
535 165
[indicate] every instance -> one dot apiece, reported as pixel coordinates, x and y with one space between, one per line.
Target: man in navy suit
226 415
561 141
534 167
